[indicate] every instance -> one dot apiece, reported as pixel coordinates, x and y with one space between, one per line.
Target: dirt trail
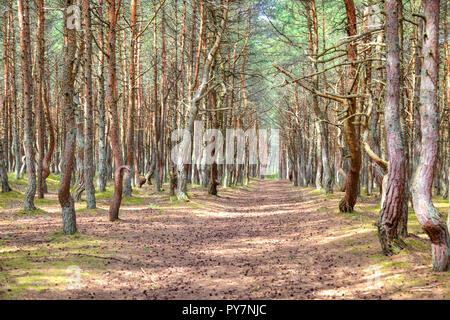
268 241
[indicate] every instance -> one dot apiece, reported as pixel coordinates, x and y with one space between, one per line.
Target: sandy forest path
268 240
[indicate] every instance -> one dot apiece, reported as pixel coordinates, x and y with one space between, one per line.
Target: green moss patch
49 266
34 212
7 199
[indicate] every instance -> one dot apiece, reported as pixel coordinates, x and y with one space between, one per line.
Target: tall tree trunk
394 197
157 110
69 111
350 131
447 88
13 83
7 101
429 217
132 100
323 174
38 99
27 85
88 110
111 100
102 161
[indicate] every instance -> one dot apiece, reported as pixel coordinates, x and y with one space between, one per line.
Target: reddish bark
111 101
350 131
39 98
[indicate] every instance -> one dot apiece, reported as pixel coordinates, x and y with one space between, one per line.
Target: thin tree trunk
38 101
7 101
51 148
132 100
102 165
88 110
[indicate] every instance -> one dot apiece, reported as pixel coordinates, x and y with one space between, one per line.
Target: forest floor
268 240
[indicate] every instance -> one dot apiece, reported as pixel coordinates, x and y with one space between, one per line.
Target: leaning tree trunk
27 85
68 105
51 148
429 217
394 193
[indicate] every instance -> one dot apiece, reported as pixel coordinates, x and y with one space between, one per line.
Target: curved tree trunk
429 217
51 148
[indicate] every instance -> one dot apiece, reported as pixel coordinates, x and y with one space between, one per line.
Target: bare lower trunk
352 177
181 185
3 171
51 148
